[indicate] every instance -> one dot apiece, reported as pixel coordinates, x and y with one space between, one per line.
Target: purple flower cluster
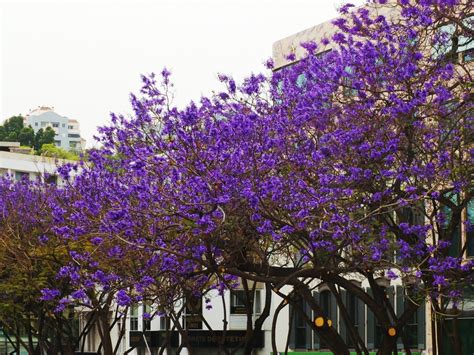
322 165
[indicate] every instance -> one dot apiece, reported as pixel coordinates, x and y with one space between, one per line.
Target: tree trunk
106 341
387 346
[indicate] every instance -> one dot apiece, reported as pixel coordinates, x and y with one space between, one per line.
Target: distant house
68 135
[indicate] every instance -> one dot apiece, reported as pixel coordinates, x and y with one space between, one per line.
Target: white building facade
68 135
27 166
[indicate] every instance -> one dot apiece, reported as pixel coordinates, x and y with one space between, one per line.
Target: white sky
85 57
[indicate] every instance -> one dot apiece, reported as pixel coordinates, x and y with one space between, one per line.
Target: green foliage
11 129
26 137
48 136
44 137
38 137
50 150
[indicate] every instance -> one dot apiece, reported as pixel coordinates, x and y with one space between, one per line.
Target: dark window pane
193 312
134 317
238 302
470 229
300 326
353 312
455 239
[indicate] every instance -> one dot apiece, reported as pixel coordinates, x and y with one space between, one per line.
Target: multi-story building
68 135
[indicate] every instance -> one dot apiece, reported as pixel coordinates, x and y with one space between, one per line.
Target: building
68 135
149 336
19 165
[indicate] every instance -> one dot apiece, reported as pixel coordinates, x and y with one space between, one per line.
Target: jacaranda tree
349 164
29 263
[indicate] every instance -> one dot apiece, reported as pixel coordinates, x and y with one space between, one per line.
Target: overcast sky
85 57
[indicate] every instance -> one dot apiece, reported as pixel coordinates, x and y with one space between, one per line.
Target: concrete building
27 166
68 135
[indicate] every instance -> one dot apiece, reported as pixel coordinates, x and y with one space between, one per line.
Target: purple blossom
391 275
123 299
271 165
79 294
49 294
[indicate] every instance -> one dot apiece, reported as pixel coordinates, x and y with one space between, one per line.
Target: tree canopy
50 150
352 165
11 128
43 137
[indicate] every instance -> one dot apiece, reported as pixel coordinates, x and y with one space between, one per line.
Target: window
470 229
299 327
457 116
36 124
414 330
51 179
193 316
63 125
411 328
134 317
55 124
57 143
238 302
74 135
347 89
455 239
301 80
258 302
145 319
376 332
70 127
353 312
450 36
44 124
468 56
466 44
163 323
325 302
21 175
414 216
